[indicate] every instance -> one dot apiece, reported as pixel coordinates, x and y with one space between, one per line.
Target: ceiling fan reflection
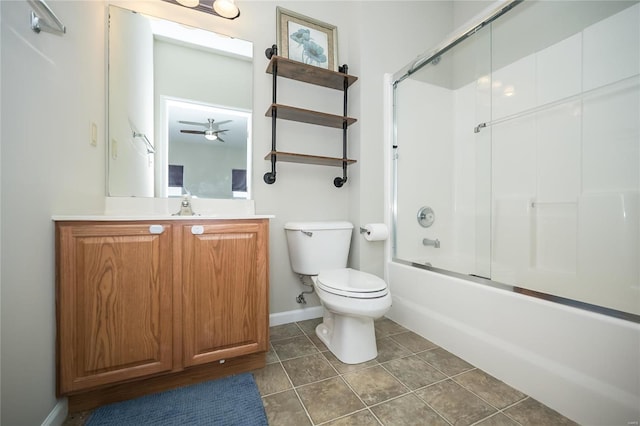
210 133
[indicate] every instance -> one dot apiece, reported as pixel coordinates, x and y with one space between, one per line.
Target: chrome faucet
185 207
435 243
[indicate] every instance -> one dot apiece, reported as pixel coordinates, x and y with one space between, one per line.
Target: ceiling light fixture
226 8
210 135
189 3
223 8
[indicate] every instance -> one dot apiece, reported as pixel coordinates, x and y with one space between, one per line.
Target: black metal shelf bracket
339 181
270 177
271 51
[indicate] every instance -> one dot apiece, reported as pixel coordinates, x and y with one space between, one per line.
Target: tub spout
435 243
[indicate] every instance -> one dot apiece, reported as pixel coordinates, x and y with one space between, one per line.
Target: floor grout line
441 358
341 376
296 392
409 390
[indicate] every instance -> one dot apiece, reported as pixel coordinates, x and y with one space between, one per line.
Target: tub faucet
435 243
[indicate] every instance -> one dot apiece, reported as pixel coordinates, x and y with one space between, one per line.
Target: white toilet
351 299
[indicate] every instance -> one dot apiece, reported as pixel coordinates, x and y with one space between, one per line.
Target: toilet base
351 339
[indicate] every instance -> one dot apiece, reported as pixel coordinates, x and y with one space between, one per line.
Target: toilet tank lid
310 226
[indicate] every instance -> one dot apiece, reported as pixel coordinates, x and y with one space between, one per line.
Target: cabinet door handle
156 229
197 229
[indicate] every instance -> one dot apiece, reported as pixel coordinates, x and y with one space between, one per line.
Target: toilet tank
314 246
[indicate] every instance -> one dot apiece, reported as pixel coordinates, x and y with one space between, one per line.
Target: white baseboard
59 413
296 315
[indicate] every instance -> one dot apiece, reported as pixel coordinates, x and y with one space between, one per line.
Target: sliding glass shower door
442 166
517 154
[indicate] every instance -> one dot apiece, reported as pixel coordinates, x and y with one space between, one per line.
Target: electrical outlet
94 134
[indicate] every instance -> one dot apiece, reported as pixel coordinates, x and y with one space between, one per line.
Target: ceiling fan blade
220 139
193 132
193 123
221 130
217 123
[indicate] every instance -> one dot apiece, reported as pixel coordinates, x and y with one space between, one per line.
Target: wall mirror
179 110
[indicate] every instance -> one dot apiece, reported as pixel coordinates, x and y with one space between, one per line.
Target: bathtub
582 364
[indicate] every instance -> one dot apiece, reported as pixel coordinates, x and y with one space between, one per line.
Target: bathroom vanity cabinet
158 304
224 290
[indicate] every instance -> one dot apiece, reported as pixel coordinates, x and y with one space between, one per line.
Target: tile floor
411 382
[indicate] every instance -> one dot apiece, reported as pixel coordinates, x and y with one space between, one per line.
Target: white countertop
132 209
113 218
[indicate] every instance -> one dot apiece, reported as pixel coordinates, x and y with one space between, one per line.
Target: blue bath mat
233 400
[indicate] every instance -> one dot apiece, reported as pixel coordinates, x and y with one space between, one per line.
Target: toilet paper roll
376 232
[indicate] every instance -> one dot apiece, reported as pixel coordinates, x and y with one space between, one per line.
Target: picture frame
307 40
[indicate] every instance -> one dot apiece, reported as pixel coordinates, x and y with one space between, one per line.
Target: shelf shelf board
290 157
301 115
310 74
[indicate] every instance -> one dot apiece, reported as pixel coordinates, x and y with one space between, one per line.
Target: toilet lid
351 283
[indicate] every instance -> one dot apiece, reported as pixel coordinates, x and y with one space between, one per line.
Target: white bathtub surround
565 191
582 364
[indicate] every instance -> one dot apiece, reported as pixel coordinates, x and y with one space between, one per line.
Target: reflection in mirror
207 143
179 110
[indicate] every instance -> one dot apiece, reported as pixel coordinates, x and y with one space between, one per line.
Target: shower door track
466 31
524 291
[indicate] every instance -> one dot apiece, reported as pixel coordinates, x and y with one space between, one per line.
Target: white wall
55 86
463 10
191 73
307 192
52 89
130 104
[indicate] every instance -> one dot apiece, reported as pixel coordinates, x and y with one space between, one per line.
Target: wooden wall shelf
286 112
290 157
309 74
287 68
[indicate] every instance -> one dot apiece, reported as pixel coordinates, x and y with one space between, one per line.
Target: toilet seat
349 282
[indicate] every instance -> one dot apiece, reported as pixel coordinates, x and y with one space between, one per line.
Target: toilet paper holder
374 231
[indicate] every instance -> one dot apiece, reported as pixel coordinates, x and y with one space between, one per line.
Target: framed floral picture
307 40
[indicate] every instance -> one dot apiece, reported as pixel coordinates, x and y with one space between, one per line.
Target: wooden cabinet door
225 290
114 302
